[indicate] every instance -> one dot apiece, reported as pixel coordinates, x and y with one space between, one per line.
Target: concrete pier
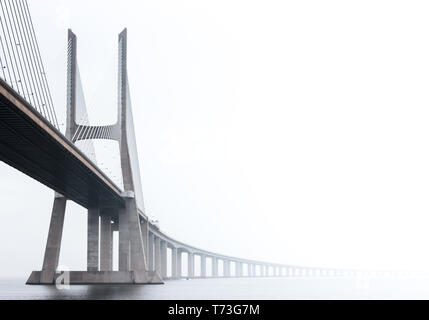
106 242
157 255
215 265
93 239
99 278
150 259
136 251
53 245
145 237
174 264
227 268
163 259
124 241
238 269
203 266
191 266
179 264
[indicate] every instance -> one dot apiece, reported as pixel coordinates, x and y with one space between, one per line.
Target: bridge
31 142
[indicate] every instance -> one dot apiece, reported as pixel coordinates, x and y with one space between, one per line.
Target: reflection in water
103 292
114 293
229 289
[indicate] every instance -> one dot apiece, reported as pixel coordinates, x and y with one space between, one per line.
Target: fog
287 131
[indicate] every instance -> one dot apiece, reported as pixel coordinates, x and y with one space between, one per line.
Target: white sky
288 131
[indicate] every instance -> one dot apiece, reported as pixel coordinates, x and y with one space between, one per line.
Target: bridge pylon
128 220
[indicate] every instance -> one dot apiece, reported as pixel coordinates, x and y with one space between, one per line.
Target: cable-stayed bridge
31 142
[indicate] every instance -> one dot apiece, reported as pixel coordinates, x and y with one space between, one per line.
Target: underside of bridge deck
33 146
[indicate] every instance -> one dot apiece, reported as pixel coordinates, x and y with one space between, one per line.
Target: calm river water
230 289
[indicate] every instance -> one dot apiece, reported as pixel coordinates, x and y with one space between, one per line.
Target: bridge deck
33 146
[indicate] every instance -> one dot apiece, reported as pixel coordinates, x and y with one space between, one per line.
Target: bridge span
31 142
232 267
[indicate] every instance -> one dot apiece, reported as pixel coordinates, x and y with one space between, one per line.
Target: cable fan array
20 58
82 120
22 69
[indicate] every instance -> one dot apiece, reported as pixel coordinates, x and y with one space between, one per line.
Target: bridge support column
227 269
145 236
114 228
93 238
174 263
163 259
157 255
214 267
150 254
53 245
203 266
106 259
136 251
191 266
238 269
179 264
124 241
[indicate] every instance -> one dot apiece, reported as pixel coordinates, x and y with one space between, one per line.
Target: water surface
229 289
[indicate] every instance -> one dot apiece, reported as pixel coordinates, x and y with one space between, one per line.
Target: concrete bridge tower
129 220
